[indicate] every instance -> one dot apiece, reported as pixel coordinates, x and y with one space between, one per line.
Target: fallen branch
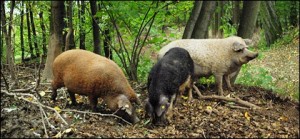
236 99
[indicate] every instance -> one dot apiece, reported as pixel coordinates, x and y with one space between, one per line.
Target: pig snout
159 121
252 56
247 56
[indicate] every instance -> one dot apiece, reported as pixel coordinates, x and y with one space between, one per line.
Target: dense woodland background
131 33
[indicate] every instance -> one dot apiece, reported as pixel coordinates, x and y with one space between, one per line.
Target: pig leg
169 113
72 96
219 79
234 75
93 102
54 91
54 94
227 79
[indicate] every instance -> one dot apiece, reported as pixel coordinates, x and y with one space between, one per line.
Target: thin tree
107 41
270 22
192 20
56 39
81 16
96 29
70 44
248 19
32 55
201 27
42 24
21 31
37 51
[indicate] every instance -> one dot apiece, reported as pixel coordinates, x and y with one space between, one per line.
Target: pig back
84 72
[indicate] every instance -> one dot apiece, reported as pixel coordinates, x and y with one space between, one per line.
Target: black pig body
168 78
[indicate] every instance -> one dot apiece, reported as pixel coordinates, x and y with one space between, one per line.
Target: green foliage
255 76
144 68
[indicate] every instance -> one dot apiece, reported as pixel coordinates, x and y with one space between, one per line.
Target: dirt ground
279 117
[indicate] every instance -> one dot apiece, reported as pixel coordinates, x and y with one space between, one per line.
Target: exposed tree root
235 99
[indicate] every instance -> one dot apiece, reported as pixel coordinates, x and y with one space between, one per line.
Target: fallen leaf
58 135
42 93
184 97
247 116
57 109
29 98
283 118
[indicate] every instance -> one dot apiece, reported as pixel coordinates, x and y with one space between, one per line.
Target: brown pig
222 58
86 73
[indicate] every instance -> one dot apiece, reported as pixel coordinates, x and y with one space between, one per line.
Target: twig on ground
33 102
101 114
45 129
5 82
236 99
237 107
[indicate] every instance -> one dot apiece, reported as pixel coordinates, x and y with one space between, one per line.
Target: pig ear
236 46
248 42
124 104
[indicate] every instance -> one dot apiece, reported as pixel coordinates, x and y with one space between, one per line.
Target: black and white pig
170 76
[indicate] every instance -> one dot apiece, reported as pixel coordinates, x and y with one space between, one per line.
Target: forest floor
278 118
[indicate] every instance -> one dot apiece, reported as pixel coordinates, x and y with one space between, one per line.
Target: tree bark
201 26
37 51
236 13
21 31
55 41
43 33
107 41
70 44
81 14
248 19
192 20
270 21
32 56
96 29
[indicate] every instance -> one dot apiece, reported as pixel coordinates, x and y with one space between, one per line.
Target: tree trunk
201 26
293 14
248 19
192 20
220 32
236 13
81 14
70 44
271 24
107 41
43 33
55 41
7 34
21 31
96 29
32 56
37 51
